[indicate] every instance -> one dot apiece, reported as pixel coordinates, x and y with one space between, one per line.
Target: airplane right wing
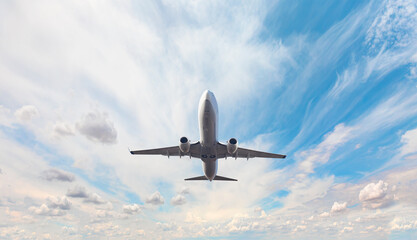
195 150
244 153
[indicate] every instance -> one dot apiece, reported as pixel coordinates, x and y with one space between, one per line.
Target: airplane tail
217 178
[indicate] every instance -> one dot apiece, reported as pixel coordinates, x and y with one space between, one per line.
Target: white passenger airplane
208 149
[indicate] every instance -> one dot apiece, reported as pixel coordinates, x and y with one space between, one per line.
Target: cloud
373 191
63 129
77 192
155 199
178 200
26 113
46 211
395 25
55 206
80 192
97 127
375 195
94 198
131 209
322 152
58 175
338 207
409 140
185 191
59 202
324 214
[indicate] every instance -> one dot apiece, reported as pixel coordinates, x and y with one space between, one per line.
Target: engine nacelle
232 146
184 145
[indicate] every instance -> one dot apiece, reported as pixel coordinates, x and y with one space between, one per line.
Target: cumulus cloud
63 129
59 202
373 191
131 209
57 175
26 113
155 199
81 192
97 127
46 211
94 198
178 200
55 206
77 192
338 207
375 195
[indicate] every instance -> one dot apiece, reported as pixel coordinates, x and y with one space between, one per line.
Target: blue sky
330 84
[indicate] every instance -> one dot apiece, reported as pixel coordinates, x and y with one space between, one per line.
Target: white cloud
322 152
131 209
395 25
46 211
409 140
402 223
57 175
94 198
178 200
324 214
26 113
375 195
155 199
373 191
338 207
59 202
63 129
97 127
54 206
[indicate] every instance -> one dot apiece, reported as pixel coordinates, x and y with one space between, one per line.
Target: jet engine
184 145
232 146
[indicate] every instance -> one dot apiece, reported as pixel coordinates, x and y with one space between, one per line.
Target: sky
331 84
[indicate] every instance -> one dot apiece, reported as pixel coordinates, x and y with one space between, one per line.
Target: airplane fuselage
208 118
208 149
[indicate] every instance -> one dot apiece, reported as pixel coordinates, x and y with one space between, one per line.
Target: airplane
208 149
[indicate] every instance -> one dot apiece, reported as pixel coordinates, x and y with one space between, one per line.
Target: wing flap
245 153
195 150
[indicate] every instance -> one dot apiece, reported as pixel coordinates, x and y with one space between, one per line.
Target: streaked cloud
57 175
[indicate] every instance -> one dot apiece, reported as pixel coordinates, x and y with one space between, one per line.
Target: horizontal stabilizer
196 178
220 178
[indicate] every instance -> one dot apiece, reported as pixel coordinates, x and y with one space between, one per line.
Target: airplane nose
207 94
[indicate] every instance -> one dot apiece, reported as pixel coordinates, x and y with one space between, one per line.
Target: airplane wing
195 151
244 153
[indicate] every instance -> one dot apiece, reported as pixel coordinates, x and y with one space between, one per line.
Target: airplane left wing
195 151
244 153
